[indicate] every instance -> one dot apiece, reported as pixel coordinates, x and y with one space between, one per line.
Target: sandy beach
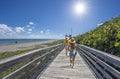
23 46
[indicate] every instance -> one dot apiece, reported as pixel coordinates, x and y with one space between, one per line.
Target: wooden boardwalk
60 69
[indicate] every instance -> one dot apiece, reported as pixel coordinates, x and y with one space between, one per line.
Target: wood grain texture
60 69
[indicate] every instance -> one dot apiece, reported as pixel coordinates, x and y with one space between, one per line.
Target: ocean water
17 41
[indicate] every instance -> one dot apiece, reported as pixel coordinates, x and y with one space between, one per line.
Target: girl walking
72 48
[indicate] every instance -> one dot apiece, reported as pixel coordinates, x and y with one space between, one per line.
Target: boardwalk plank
60 69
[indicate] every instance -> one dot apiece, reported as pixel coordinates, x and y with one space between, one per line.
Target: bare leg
70 60
65 51
73 60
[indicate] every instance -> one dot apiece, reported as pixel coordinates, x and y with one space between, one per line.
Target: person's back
72 48
66 42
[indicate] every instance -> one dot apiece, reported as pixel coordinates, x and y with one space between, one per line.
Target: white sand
23 46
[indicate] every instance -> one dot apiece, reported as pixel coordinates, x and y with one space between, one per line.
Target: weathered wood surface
9 62
108 66
60 69
37 63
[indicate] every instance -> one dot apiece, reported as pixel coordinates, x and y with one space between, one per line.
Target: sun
79 8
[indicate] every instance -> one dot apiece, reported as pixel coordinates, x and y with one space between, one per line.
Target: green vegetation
105 37
15 67
9 54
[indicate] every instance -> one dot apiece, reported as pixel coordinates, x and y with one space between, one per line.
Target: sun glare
79 8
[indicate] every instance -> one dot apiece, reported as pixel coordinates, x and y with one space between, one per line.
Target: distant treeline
105 37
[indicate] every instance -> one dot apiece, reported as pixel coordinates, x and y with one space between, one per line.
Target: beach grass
13 69
10 54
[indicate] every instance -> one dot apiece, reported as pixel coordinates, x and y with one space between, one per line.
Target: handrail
43 54
104 65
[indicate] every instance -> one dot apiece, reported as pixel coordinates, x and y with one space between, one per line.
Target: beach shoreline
24 46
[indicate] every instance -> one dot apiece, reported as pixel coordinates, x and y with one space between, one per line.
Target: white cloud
29 29
99 24
31 23
47 31
41 32
26 32
44 32
29 32
6 31
4 28
19 29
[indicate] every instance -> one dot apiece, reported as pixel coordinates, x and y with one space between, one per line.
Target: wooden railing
38 60
104 66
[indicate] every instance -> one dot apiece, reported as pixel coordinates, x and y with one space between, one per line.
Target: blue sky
52 18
